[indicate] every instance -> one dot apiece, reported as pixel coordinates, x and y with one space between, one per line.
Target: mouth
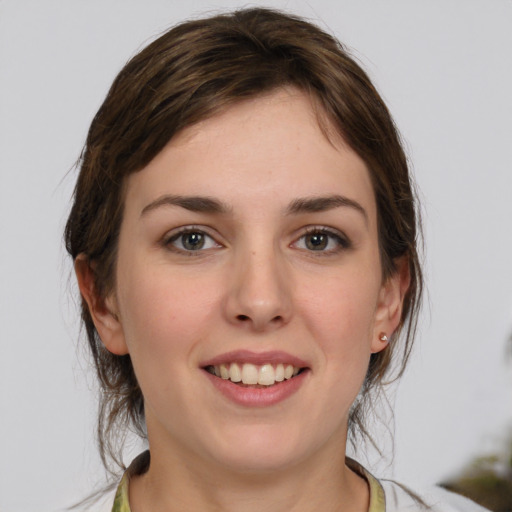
255 376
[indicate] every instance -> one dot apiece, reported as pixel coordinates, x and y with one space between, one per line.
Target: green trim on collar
377 496
138 466
141 464
121 501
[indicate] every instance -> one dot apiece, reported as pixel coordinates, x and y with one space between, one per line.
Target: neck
320 482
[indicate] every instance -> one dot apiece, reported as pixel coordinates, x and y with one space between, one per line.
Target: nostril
245 318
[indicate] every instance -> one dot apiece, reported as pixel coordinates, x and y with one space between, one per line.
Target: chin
260 449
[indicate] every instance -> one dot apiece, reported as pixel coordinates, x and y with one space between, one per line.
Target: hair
192 72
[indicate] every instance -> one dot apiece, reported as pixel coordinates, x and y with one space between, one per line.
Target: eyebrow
191 203
204 204
321 204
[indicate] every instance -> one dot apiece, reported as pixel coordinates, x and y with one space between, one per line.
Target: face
249 289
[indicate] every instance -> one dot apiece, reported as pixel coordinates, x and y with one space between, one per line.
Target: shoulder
399 498
392 496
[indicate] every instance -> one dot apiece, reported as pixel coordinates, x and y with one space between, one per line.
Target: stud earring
383 337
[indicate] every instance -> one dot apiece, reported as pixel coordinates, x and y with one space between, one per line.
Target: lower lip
258 397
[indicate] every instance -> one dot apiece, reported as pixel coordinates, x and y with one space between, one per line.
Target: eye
322 240
190 240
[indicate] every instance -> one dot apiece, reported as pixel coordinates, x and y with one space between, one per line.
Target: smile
251 374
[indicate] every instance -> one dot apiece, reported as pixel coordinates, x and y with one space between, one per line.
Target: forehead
268 146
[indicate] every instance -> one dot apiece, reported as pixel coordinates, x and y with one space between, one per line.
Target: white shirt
385 495
440 500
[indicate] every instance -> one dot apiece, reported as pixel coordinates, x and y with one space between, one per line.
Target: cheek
341 314
164 322
163 317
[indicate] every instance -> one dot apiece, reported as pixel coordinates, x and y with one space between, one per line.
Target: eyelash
341 241
169 241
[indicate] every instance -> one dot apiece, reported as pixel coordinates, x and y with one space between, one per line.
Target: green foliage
487 481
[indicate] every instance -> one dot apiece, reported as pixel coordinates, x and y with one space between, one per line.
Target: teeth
250 374
224 372
235 373
267 375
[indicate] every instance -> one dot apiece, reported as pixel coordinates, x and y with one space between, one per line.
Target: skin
256 284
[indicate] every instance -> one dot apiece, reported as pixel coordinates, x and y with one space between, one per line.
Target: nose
259 295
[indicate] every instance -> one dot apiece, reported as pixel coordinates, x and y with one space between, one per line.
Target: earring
383 337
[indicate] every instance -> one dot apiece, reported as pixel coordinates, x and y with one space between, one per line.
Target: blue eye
322 240
190 240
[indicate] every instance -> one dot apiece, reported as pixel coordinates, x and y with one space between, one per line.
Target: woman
244 238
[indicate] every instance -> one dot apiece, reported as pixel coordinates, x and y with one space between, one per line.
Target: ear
103 310
389 307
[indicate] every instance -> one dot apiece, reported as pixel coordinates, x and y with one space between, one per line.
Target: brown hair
191 72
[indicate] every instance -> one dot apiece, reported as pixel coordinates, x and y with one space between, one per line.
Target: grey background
444 67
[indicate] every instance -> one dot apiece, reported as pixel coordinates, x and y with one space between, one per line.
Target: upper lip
257 358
